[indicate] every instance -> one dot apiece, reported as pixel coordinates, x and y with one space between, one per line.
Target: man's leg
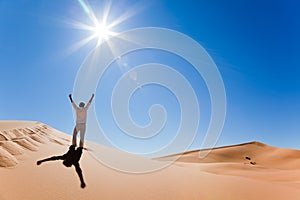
74 136
82 133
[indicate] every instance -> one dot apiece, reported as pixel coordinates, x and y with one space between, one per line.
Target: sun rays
100 26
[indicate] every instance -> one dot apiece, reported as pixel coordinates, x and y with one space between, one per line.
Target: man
70 158
81 115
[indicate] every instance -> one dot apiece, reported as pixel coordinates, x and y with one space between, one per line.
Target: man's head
81 104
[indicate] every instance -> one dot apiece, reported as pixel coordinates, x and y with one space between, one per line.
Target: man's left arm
90 101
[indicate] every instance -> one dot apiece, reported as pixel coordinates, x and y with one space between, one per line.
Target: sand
246 171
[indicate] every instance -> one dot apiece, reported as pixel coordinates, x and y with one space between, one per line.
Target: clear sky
255 45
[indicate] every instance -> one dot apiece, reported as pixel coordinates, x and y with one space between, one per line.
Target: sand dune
253 160
247 171
18 136
252 153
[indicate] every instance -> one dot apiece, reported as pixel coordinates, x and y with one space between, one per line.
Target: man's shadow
70 158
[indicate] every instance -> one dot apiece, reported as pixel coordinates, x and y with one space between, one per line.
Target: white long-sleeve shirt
81 113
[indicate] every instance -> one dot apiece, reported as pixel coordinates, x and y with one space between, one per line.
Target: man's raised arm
71 99
90 101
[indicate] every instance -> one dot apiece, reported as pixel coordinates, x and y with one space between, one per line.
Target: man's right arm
71 99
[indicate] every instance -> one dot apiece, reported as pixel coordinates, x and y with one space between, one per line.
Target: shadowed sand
247 171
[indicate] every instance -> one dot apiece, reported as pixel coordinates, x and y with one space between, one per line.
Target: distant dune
239 172
251 153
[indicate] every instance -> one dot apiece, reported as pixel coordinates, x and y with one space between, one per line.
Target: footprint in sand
251 162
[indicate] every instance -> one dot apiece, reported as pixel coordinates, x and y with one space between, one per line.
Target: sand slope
254 153
225 174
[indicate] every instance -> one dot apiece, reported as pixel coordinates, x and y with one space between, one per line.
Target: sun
102 32
99 26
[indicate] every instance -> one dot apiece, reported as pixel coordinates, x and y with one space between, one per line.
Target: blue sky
255 45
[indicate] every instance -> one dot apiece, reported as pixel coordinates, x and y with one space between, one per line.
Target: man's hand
92 98
70 97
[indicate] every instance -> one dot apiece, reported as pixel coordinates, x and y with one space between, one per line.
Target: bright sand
247 171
